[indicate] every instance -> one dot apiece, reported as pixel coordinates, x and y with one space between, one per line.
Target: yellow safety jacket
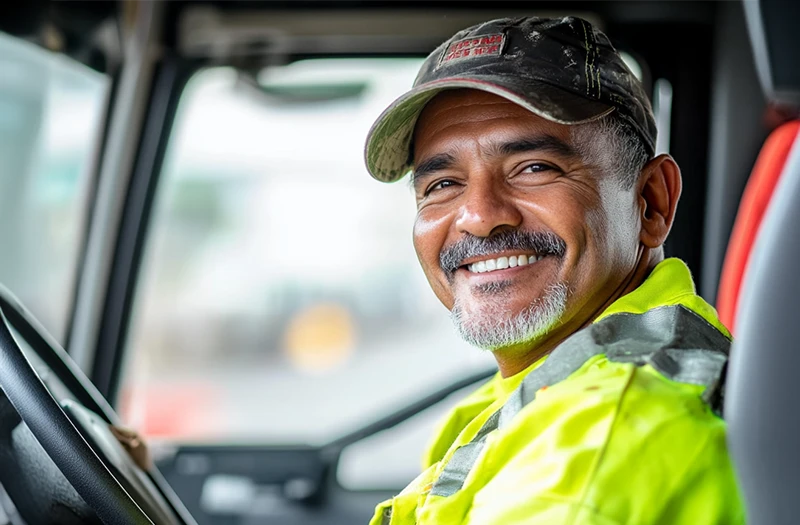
618 425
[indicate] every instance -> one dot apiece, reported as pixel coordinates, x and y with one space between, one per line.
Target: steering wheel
75 434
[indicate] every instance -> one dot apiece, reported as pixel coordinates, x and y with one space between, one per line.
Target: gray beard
491 328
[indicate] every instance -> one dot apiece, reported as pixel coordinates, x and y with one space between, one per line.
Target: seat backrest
762 403
755 199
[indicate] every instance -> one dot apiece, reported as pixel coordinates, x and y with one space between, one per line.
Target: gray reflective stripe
675 341
556 368
455 473
452 477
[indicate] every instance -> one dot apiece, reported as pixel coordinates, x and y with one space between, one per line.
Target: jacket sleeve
707 493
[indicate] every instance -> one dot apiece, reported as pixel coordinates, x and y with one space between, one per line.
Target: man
542 214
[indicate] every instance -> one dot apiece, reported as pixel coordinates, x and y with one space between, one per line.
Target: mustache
542 243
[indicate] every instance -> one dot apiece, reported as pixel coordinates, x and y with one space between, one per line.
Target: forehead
462 113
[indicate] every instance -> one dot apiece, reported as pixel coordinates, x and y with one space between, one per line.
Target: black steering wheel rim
90 458
90 415
59 437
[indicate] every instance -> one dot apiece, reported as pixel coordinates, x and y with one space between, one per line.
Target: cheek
596 221
430 235
615 226
576 213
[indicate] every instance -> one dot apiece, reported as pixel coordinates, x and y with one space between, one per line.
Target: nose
486 207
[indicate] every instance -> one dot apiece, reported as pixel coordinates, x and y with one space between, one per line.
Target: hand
134 445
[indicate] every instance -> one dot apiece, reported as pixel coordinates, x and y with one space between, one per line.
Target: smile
502 263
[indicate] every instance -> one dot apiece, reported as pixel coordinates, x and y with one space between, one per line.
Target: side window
51 111
280 299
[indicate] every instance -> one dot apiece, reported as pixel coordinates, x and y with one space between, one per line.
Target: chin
493 327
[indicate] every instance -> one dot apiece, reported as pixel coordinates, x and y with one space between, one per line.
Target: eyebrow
438 162
541 143
546 143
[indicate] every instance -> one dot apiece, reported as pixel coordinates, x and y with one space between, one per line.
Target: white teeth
501 263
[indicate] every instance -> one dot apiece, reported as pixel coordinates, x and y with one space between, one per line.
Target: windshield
50 120
281 299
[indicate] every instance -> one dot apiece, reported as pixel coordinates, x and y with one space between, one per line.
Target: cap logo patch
479 46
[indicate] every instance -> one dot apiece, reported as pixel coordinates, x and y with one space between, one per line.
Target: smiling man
542 214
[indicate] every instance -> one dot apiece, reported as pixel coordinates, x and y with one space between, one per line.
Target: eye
440 185
537 167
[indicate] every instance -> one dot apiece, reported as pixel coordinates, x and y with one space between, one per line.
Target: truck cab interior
192 248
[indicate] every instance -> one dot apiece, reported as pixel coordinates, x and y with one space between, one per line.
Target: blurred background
280 299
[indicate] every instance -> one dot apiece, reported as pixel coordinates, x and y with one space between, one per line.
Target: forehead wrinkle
444 102
443 124
461 100
451 122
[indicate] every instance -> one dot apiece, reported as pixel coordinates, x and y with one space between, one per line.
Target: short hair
612 143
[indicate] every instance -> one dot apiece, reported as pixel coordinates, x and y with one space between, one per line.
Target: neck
514 360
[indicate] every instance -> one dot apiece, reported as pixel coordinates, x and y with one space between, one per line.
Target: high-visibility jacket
618 425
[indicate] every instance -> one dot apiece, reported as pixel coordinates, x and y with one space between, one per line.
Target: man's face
519 231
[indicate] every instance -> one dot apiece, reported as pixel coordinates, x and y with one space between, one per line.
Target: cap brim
387 152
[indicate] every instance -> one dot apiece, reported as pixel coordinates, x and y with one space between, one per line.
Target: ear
659 190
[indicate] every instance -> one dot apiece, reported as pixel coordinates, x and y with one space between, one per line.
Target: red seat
755 199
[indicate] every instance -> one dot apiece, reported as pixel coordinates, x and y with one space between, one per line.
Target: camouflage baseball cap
564 70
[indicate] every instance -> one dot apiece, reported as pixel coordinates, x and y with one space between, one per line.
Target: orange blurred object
753 206
320 337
